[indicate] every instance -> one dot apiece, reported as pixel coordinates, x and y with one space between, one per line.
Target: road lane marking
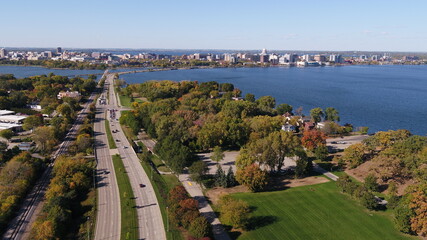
189 183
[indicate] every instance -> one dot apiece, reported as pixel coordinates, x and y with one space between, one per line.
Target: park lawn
125 100
315 212
129 217
110 138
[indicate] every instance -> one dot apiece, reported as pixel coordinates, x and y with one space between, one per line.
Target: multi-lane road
108 209
20 226
150 223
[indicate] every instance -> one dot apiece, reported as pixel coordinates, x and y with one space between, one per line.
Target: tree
331 114
354 155
220 177
316 114
371 182
252 177
313 139
231 179
83 142
217 154
402 217
304 165
284 108
266 103
7 134
44 138
197 170
418 205
321 153
200 227
32 121
234 212
250 97
367 199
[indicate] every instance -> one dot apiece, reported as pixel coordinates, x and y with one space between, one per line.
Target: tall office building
3 53
58 50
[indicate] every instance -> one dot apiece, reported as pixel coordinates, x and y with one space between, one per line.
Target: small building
309 126
11 126
25 146
6 112
288 128
12 119
74 94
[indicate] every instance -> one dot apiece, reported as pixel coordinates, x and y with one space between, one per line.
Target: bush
252 177
200 227
371 182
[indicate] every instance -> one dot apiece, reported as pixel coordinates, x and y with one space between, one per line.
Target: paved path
195 191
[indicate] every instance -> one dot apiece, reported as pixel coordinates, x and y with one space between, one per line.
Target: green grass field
110 138
315 212
125 100
129 218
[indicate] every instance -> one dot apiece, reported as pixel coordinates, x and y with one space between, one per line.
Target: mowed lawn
315 212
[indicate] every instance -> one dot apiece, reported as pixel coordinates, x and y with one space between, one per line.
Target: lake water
380 97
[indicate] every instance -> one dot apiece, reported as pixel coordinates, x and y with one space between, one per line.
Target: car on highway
117 140
124 147
141 185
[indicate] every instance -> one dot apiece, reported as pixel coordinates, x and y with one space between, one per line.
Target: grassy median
129 217
110 138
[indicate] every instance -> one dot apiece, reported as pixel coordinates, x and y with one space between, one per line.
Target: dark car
141 185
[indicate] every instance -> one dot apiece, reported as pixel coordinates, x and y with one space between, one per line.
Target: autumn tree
234 212
44 138
252 177
313 139
418 205
355 155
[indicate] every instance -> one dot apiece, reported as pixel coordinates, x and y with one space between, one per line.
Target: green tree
284 108
231 179
316 115
354 155
217 154
371 182
44 138
197 170
250 97
321 153
7 134
304 164
220 177
331 114
32 121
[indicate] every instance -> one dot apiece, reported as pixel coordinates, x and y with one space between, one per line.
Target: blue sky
393 25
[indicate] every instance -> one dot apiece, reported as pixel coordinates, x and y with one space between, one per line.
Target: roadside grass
129 218
89 208
110 138
315 212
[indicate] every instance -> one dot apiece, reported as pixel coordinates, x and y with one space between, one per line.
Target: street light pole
88 229
167 219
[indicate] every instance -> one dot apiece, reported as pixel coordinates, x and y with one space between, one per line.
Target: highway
150 221
20 227
108 210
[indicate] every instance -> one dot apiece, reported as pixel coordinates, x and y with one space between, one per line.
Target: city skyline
277 25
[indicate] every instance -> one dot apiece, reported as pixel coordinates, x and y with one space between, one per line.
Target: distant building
3 53
96 55
263 58
336 58
306 58
58 50
230 58
319 58
264 51
374 58
15 119
74 94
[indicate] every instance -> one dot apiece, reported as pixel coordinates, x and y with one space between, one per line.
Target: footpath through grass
315 212
110 138
129 218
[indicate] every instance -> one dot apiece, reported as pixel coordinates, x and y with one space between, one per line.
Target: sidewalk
195 191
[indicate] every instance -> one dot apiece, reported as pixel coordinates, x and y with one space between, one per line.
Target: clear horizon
380 26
